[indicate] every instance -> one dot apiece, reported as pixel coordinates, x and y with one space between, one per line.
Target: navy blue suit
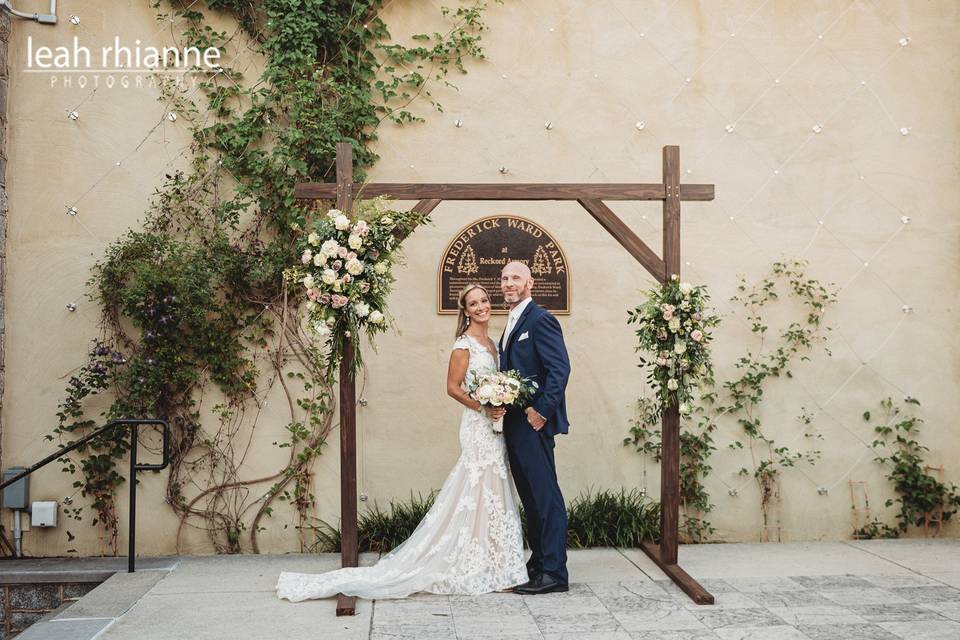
535 348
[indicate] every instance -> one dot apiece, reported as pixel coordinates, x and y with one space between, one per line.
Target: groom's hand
535 419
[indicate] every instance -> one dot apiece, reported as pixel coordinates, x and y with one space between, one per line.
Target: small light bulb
817 128
866 264
458 123
71 306
504 76
905 219
776 81
640 126
730 128
904 41
904 131
733 493
731 218
172 117
906 308
363 497
823 491
548 125
820 222
73 115
503 169
776 172
74 20
687 80
72 211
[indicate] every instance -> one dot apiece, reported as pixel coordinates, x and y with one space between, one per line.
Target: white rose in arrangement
672 384
330 248
333 214
362 309
307 256
680 347
329 276
337 286
308 281
674 324
311 305
381 267
354 267
319 260
313 239
321 329
341 222
355 241
485 393
331 321
686 288
684 408
376 317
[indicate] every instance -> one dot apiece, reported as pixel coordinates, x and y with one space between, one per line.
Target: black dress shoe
542 583
533 572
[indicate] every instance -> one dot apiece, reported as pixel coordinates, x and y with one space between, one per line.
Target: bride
470 541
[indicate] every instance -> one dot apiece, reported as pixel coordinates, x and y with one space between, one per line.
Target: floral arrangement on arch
346 273
674 328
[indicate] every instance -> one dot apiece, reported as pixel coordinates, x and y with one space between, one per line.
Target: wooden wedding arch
591 197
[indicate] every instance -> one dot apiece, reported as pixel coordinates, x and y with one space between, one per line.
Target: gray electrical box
17 495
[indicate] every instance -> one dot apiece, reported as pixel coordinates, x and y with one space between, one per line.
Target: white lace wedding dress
468 543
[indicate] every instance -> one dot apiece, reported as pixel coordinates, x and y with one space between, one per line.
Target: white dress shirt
515 314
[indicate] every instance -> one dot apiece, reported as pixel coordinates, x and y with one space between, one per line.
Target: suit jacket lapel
516 329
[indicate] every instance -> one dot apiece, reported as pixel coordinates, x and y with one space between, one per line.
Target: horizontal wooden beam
504 191
680 577
626 237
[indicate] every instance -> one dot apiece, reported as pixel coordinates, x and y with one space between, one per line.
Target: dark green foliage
920 494
603 519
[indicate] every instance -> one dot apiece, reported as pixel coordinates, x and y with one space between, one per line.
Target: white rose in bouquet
333 214
362 309
313 239
686 288
341 222
680 347
376 317
354 267
321 329
319 260
329 248
674 324
329 276
308 281
381 267
672 384
355 241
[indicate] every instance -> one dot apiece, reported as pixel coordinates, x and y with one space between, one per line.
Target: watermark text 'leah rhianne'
116 59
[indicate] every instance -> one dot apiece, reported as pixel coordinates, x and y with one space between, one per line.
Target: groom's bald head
516 282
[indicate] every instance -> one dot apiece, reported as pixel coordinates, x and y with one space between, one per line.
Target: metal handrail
134 467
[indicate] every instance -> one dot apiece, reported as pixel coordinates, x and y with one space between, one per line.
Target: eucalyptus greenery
197 324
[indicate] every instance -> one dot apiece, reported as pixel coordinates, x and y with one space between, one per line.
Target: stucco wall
887 147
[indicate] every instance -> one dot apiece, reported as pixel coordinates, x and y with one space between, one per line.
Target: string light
906 308
71 306
730 128
72 211
503 169
904 41
73 115
904 131
172 116
640 126
458 123
905 219
74 20
823 491
548 125
817 128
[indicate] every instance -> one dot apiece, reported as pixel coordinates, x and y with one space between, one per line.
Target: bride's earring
468 321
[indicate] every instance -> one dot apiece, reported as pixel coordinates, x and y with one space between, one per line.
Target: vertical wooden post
670 429
346 605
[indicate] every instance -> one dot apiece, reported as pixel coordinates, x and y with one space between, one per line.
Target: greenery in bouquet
674 333
345 274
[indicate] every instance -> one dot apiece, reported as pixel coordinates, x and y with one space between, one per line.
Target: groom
533 344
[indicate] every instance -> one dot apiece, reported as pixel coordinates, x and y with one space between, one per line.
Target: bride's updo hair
462 320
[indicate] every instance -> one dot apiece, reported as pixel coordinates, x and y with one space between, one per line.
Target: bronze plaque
479 251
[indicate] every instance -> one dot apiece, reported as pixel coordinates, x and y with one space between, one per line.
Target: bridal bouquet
500 389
